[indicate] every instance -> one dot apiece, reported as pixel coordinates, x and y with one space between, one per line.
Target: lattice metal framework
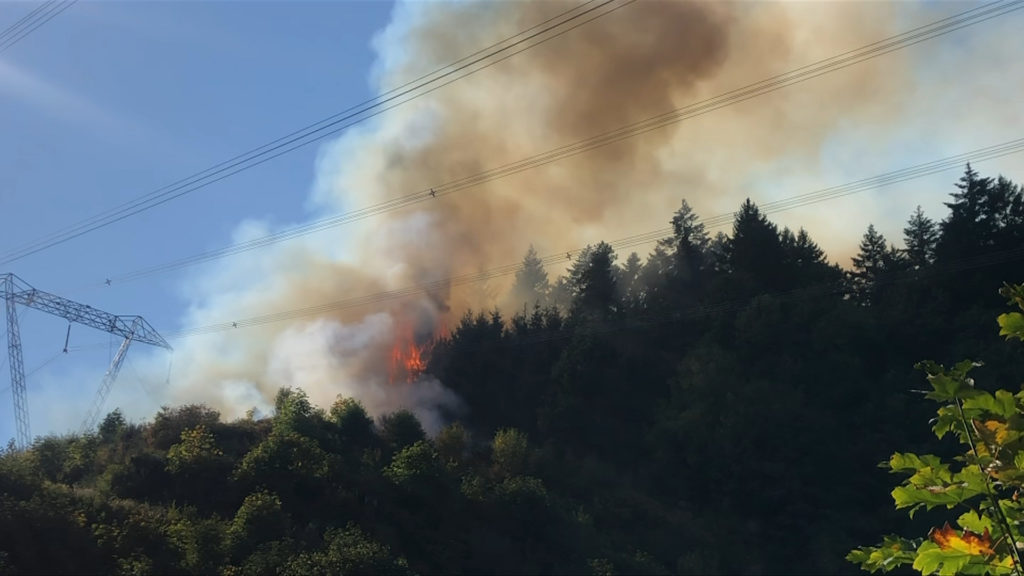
132 328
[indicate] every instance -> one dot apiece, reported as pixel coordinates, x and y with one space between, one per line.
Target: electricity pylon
132 328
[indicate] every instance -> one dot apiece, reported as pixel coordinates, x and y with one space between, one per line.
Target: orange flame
408 359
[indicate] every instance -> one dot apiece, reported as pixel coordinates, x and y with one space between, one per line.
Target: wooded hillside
718 407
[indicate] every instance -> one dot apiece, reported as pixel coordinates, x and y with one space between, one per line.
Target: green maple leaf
1011 325
893 553
974 522
934 560
1003 404
901 461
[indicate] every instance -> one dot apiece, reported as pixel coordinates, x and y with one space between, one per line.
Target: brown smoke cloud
642 60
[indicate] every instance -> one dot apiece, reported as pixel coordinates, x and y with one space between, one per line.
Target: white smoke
327 358
775 146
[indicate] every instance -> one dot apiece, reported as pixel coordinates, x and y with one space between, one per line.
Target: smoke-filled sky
300 62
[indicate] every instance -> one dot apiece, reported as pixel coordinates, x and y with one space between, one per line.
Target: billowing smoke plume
644 59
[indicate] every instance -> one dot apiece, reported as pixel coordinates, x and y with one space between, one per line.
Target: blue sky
110 100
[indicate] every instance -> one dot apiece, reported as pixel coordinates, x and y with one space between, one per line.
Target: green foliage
51 455
891 554
169 423
266 558
1011 324
874 260
990 426
531 283
294 412
400 430
283 455
522 492
920 237
259 519
196 449
415 465
716 407
355 427
452 444
111 425
930 487
510 452
348 551
593 281
81 457
200 542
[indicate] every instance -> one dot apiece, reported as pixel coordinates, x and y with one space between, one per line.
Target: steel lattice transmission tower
132 328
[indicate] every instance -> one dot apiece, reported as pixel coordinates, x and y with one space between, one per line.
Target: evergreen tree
718 253
805 260
656 277
687 228
688 243
966 232
645 425
531 285
630 281
805 252
1006 208
920 237
983 220
871 261
561 294
592 280
755 253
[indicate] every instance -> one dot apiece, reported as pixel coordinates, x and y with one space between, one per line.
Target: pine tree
806 260
718 252
561 294
1012 233
655 277
755 252
629 280
531 285
687 228
592 280
806 250
965 231
688 245
870 262
920 237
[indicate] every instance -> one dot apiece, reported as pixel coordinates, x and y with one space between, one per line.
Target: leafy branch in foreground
986 481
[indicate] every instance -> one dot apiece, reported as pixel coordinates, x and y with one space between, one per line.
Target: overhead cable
480 60
772 207
802 74
32 21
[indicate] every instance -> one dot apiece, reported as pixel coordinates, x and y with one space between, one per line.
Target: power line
772 207
979 155
838 62
897 176
873 50
45 363
13 28
32 21
738 304
794 295
953 266
329 126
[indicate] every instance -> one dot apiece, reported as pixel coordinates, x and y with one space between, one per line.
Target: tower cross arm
125 326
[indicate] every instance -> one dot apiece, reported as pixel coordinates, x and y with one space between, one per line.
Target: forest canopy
718 407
